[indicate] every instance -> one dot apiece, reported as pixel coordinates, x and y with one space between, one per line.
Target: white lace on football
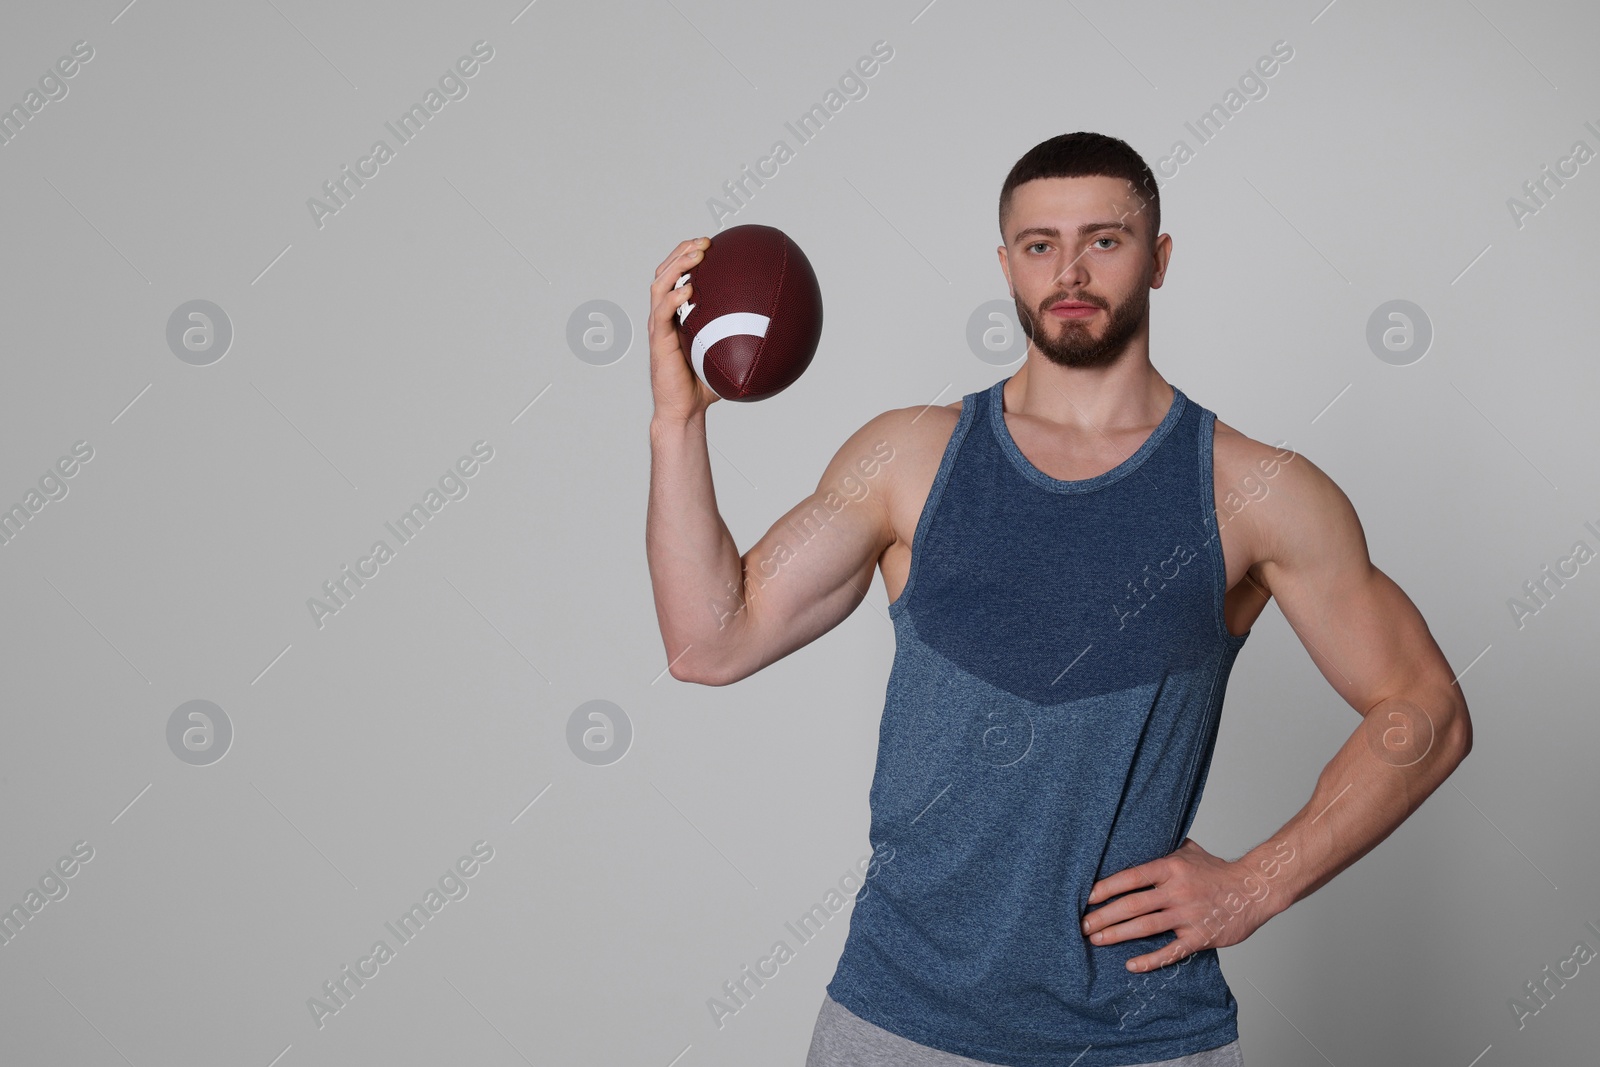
733 324
684 308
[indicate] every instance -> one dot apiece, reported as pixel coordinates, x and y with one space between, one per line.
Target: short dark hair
1080 155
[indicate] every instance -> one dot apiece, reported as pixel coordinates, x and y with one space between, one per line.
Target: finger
664 308
674 254
1162 957
666 280
670 297
1146 925
661 289
1129 907
1144 874
669 280
693 244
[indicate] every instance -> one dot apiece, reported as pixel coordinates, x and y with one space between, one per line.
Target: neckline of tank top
1008 445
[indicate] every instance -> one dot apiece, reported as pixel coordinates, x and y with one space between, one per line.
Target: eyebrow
1083 231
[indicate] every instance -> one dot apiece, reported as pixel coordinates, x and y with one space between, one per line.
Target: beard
1077 346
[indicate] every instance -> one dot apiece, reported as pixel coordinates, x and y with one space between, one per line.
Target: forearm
1404 748
695 567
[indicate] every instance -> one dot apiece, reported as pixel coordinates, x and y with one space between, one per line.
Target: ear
1163 255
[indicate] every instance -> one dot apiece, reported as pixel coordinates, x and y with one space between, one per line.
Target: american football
756 317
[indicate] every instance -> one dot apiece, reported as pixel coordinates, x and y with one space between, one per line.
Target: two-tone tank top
1052 708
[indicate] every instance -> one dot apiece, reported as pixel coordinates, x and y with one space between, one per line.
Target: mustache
1081 299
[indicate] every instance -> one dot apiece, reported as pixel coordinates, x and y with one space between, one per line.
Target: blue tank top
1059 669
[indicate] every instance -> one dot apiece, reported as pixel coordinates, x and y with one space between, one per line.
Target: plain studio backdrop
461 330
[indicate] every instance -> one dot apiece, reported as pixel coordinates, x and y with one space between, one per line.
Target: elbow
707 659
683 672
1458 731
1464 736
701 675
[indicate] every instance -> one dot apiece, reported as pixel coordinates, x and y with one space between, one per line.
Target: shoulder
1289 505
1242 461
915 430
891 448
897 452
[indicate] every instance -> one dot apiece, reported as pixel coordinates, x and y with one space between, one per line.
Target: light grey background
430 312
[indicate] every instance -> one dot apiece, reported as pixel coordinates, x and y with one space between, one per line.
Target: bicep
1362 631
814 566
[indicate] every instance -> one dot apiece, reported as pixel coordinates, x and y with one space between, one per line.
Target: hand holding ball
756 317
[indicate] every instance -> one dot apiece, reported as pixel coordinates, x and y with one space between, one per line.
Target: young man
1074 557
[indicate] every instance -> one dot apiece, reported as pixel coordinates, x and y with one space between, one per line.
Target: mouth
1073 309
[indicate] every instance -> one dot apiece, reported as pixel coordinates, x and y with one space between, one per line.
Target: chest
1075 541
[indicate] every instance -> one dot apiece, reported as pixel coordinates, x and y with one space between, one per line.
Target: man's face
1086 241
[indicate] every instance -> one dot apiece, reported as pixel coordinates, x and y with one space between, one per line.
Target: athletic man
1073 557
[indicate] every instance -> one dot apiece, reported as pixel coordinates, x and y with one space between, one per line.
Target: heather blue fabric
1060 664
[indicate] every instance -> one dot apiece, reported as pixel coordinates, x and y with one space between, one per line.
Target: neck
1130 393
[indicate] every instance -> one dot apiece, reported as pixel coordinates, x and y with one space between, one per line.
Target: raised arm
724 616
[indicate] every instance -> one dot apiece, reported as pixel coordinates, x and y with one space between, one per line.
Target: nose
1074 274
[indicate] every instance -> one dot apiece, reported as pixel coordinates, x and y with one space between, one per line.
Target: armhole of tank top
969 405
1208 499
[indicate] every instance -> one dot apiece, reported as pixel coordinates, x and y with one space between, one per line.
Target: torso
1060 455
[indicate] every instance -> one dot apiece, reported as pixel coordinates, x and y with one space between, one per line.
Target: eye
1038 244
1113 240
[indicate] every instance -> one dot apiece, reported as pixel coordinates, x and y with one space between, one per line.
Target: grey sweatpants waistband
843 1039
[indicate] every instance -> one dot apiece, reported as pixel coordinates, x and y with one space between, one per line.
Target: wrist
1271 873
667 426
